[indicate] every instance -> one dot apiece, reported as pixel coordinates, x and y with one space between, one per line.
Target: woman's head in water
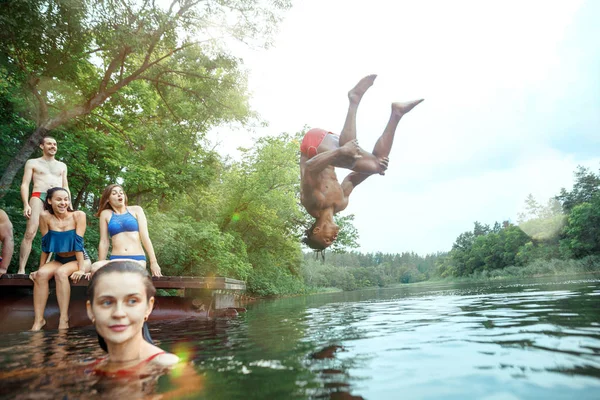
112 197
120 299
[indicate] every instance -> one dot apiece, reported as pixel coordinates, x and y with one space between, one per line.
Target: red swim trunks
312 140
39 195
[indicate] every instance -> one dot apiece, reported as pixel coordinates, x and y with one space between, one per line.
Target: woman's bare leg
40 280
63 291
354 95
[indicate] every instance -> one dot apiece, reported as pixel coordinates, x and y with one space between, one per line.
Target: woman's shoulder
166 359
106 213
135 209
79 215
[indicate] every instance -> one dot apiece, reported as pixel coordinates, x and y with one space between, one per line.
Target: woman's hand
77 275
155 269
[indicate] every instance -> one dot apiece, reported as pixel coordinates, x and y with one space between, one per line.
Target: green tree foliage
65 60
586 186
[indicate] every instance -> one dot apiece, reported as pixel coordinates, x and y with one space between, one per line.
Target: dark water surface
496 341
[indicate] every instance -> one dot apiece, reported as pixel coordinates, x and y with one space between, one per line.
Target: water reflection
461 341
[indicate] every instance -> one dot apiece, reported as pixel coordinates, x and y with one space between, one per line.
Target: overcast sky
512 104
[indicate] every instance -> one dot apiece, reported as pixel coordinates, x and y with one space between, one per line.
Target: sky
512 105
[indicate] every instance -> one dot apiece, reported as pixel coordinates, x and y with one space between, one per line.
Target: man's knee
30 233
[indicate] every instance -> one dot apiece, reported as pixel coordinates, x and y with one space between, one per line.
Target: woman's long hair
123 266
49 194
104 199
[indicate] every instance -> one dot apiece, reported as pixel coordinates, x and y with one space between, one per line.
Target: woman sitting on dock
127 228
62 234
120 300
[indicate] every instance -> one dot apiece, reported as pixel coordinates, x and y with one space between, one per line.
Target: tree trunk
75 202
18 161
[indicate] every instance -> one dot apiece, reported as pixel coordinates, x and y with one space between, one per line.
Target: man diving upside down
321 193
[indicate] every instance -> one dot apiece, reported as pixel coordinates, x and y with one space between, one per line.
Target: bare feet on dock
402 108
21 271
63 324
38 325
356 93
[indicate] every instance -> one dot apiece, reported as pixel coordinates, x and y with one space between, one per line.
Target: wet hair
104 199
310 241
122 267
49 194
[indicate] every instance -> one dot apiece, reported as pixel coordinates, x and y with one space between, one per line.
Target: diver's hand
351 149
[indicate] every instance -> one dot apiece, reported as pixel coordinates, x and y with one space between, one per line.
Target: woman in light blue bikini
127 228
62 234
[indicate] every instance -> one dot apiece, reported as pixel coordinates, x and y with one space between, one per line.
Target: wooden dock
197 297
164 282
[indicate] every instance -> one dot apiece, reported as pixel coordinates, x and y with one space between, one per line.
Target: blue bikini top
62 242
122 223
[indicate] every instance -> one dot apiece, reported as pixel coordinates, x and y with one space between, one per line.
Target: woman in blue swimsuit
127 228
62 234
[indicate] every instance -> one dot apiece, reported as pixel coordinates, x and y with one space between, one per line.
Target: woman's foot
38 325
63 324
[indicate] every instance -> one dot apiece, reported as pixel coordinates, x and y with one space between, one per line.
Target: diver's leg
354 95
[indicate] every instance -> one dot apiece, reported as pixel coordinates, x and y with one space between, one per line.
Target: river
494 341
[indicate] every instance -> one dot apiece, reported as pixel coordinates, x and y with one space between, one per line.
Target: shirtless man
6 237
321 193
47 173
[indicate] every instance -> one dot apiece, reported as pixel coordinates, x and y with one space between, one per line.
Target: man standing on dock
46 173
6 238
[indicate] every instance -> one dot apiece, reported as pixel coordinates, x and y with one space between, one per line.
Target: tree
582 233
586 186
68 58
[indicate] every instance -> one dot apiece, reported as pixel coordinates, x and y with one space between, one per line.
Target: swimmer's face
325 235
59 202
117 197
119 307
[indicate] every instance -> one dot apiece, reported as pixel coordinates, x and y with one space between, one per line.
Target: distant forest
559 237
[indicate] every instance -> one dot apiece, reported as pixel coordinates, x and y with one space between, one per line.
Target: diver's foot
38 325
356 93
63 324
402 108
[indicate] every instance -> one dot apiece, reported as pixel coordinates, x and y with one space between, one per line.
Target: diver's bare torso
321 190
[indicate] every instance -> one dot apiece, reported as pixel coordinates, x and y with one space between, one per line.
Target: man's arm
351 181
8 245
27 175
321 161
332 157
65 181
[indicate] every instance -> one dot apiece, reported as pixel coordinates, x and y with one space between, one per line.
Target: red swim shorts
312 140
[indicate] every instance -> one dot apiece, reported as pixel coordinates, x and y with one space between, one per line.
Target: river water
495 341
